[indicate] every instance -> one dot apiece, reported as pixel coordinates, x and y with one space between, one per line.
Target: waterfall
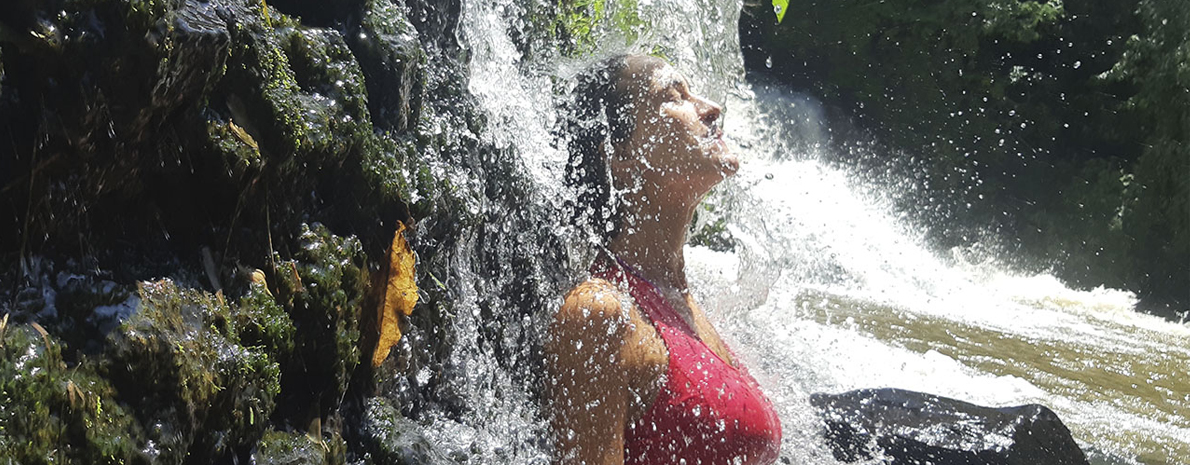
828 286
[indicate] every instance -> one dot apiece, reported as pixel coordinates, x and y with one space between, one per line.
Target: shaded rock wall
195 201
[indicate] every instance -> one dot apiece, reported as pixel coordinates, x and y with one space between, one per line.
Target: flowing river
827 288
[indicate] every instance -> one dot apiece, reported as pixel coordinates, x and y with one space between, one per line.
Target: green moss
179 356
323 289
333 94
280 448
237 152
262 322
386 166
50 413
302 91
391 439
267 87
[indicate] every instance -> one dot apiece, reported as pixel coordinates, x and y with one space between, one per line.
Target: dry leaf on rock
400 295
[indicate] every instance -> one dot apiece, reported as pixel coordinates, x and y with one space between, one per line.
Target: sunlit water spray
852 298
828 288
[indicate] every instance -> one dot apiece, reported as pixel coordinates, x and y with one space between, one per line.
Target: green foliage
709 229
584 23
1156 217
780 7
1157 220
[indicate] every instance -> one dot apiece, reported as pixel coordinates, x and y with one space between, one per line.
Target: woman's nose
708 111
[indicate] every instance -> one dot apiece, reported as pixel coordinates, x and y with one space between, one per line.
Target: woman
636 373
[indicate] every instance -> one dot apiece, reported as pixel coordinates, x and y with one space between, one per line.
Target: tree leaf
779 7
400 295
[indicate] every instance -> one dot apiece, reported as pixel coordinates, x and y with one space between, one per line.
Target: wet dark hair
600 118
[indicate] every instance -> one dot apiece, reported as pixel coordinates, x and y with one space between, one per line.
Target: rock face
195 199
916 428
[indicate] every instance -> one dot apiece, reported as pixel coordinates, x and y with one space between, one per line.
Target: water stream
828 288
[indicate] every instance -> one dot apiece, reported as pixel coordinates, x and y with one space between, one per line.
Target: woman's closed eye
677 89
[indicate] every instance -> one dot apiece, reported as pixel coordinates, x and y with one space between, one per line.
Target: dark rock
280 448
323 289
391 57
201 394
917 428
391 439
50 413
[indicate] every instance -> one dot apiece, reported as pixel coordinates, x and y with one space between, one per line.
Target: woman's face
677 137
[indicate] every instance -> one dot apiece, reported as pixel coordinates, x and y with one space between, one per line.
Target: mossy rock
298 92
390 439
262 322
323 289
393 62
201 394
281 448
51 413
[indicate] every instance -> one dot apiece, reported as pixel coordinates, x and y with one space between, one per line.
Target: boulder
907 427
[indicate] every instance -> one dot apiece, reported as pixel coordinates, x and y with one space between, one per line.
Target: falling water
827 288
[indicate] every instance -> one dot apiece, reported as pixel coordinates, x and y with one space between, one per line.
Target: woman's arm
586 380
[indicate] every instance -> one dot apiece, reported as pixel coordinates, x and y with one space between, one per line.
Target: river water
828 287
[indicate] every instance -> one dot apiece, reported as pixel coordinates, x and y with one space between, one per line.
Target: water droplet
768 62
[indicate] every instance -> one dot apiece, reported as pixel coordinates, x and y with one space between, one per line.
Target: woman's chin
728 162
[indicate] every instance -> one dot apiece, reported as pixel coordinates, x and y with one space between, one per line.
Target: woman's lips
714 139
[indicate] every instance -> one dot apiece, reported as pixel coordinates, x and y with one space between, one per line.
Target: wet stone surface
195 200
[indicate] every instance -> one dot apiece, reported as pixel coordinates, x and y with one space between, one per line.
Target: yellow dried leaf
242 135
45 335
74 394
400 295
297 278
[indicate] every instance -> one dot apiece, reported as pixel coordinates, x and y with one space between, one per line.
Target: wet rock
280 448
80 306
200 394
391 439
52 412
323 289
392 59
274 135
910 427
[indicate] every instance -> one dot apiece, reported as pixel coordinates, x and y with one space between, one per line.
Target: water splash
828 288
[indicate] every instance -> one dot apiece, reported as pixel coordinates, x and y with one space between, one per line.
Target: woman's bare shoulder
593 301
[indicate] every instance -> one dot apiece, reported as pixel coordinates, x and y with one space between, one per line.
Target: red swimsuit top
708 411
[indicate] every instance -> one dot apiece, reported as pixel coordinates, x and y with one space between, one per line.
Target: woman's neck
652 239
